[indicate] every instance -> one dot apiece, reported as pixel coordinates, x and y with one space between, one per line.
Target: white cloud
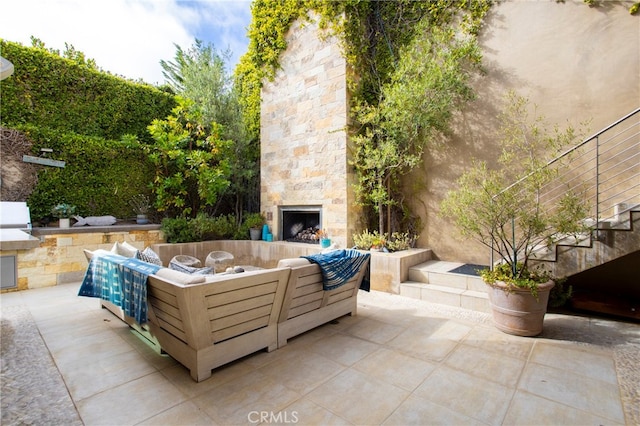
128 37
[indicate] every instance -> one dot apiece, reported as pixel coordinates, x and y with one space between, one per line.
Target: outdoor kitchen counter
94 229
15 239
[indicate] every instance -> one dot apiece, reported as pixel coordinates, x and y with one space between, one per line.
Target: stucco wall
574 62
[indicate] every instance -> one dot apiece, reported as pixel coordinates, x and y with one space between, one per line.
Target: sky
129 37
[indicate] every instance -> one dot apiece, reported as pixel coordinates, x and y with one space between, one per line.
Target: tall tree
430 82
200 74
191 159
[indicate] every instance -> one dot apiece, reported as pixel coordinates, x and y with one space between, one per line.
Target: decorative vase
325 242
64 222
255 233
265 231
141 219
516 311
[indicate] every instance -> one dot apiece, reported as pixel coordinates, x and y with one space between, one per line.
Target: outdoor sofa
307 305
207 321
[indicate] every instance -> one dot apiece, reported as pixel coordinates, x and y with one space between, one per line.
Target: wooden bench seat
306 305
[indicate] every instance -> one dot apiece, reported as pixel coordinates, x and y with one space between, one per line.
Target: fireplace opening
300 224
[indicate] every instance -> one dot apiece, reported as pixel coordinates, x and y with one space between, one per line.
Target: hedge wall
50 91
82 114
100 176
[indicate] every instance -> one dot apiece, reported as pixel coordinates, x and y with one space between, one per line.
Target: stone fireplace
305 173
298 222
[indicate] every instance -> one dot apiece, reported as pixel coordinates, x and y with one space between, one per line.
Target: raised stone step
445 295
438 272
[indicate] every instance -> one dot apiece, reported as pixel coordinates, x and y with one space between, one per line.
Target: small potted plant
378 243
140 204
513 221
63 212
255 222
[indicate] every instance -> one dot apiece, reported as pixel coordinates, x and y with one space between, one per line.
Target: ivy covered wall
84 116
577 60
51 91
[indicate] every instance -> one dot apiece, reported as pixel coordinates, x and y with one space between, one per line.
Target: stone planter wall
388 270
60 259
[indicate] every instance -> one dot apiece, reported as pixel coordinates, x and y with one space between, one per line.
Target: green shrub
200 228
400 241
213 228
177 230
367 240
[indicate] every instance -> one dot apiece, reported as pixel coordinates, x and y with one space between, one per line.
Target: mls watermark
286 417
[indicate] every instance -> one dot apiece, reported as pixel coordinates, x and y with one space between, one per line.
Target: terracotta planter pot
517 311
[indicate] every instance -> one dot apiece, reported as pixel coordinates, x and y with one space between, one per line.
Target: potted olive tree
505 210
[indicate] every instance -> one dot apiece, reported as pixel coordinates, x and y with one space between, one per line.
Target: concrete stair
433 281
610 242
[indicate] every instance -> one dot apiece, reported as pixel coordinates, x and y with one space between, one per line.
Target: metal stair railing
605 168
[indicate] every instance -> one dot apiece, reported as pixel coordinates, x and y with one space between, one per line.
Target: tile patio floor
400 361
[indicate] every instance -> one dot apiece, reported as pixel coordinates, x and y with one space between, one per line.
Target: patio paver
399 361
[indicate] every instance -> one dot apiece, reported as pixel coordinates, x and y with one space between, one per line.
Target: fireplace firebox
299 223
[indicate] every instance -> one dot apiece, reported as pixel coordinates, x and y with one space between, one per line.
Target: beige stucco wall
575 62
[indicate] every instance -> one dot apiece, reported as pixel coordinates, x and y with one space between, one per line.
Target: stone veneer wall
304 152
60 257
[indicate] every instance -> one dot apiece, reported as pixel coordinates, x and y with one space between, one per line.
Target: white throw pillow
124 249
179 277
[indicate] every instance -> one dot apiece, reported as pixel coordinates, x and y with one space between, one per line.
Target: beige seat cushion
179 277
293 262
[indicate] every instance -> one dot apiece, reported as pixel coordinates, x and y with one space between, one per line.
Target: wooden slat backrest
164 311
241 305
207 313
305 292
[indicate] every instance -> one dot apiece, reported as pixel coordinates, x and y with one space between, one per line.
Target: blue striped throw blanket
339 266
120 280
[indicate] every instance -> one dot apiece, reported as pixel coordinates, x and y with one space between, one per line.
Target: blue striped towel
120 280
339 266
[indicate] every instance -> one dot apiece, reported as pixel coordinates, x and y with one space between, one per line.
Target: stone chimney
304 142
